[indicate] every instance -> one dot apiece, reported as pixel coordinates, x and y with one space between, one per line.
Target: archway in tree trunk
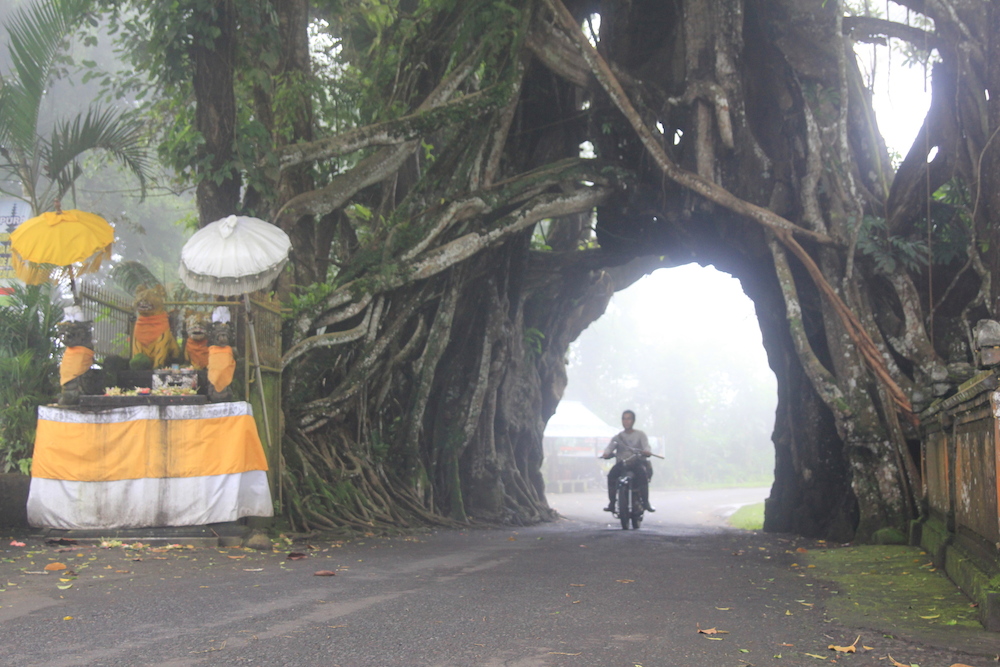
427 344
682 349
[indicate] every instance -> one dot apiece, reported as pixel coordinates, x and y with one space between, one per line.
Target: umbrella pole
263 398
72 286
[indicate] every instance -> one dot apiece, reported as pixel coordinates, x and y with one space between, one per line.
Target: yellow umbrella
59 239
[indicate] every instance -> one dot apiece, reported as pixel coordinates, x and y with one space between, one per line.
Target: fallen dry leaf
625 581
931 617
54 567
802 550
895 663
15 543
324 573
296 555
820 657
711 631
846 649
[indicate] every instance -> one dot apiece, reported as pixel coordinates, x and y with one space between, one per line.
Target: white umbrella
235 255
232 256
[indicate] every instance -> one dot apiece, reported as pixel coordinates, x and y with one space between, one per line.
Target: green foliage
307 299
28 366
748 517
141 362
951 231
890 253
533 340
539 237
952 220
131 276
46 167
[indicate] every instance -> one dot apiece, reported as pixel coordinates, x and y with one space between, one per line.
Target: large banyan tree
467 182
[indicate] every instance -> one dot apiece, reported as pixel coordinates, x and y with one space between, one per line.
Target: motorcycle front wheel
624 504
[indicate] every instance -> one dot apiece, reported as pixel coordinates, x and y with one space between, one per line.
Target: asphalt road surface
579 592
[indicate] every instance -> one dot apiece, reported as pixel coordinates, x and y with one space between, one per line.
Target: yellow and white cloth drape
142 466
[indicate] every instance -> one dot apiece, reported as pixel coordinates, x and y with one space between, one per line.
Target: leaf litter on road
851 648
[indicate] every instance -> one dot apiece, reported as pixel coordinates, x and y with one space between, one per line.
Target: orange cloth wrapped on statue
75 362
221 366
152 336
196 353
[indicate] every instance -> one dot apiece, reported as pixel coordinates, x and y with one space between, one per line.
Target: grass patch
748 517
891 586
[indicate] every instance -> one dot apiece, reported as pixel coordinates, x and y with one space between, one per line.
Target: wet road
579 592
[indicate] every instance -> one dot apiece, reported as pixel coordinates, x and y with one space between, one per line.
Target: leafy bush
28 365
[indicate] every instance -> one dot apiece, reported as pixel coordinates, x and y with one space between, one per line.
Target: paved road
579 592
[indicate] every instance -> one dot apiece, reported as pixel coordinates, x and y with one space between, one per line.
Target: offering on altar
77 335
221 360
182 378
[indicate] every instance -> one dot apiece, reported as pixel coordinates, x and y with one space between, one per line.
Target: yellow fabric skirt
146 441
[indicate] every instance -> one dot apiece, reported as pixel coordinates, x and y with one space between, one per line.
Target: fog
682 348
150 230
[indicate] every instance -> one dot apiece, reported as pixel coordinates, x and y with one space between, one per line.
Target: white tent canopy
573 420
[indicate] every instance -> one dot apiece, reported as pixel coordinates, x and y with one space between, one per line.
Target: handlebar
633 456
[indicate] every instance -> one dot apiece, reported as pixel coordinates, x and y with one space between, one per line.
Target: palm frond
36 33
132 275
100 129
28 320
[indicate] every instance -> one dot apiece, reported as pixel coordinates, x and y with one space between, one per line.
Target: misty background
150 230
682 348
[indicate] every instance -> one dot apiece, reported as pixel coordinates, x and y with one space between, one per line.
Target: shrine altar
146 466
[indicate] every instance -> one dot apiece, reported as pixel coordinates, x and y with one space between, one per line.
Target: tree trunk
218 192
427 345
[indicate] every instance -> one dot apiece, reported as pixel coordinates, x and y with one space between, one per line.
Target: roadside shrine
156 459
138 444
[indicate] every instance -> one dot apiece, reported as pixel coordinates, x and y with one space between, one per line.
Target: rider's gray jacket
625 445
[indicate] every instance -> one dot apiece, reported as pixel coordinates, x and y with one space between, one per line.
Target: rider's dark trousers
641 482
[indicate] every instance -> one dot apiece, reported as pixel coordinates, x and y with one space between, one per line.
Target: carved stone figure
152 335
77 336
221 360
196 327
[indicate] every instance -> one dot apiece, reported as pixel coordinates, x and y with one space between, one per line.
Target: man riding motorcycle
625 446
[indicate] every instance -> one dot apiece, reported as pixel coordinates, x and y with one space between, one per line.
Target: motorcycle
629 508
